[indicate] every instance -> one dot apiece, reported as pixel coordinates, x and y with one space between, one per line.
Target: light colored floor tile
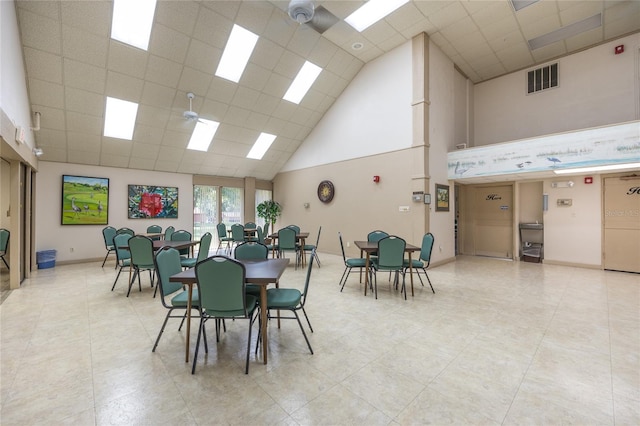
498 343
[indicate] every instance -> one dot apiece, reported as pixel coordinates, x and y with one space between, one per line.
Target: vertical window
205 210
232 205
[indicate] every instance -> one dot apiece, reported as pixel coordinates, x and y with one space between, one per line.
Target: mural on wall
585 148
85 200
147 201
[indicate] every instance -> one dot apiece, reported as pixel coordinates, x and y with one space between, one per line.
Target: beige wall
359 205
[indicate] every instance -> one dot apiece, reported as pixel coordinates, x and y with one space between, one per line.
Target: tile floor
499 343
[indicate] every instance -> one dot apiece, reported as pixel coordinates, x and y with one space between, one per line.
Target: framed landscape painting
442 198
148 201
85 200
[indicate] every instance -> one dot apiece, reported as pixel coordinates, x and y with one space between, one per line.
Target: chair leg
155 345
105 257
246 368
428 279
116 280
343 280
303 333
5 262
195 355
135 274
307 317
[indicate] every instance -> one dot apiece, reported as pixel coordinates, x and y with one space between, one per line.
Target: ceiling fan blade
322 20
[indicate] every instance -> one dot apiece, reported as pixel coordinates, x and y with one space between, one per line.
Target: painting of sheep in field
149 201
85 200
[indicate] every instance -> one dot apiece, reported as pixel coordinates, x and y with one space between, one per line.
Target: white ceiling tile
125 87
213 110
84 76
51 118
119 147
40 32
167 166
84 157
175 139
379 32
254 15
48 9
279 29
157 95
194 81
586 39
446 15
84 142
178 15
303 41
84 123
85 102
168 43
163 71
244 98
46 93
110 160
92 16
548 52
212 28
145 150
221 89
126 59
203 57
51 138
405 17
255 77
142 163
43 65
277 85
149 135
515 57
170 153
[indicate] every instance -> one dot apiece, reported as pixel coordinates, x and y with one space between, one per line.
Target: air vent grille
542 78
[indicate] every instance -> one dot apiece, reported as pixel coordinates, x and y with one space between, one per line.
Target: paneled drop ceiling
72 65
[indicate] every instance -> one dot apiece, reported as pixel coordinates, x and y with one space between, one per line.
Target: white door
622 223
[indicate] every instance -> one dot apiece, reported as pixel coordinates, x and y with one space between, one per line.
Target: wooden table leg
263 317
190 292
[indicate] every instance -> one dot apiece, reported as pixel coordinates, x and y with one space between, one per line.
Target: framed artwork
148 201
442 198
85 200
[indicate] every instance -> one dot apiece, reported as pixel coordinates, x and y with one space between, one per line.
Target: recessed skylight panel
203 135
120 118
132 22
236 54
371 12
302 83
261 146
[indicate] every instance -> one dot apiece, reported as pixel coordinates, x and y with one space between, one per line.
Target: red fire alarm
588 180
376 179
619 49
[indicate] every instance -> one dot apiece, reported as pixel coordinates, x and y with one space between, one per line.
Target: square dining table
301 237
369 247
261 272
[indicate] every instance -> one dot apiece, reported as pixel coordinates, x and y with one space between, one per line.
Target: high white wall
596 88
371 116
86 240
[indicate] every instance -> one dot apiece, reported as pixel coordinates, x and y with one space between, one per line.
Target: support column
420 109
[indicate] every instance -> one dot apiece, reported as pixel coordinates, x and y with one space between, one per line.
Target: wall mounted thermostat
427 198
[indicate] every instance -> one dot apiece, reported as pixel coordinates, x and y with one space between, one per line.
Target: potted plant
269 211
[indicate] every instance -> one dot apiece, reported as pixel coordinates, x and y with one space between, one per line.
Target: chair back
295 228
205 243
108 232
426 248
237 233
126 231
121 242
265 230
250 225
221 228
391 252
167 263
344 256
168 233
287 239
155 229
260 235
318 239
141 248
221 286
182 235
305 291
251 250
375 236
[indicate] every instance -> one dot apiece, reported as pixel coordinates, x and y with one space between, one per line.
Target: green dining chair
287 242
4 244
422 263
108 232
221 229
182 235
126 231
123 254
203 252
237 234
141 248
154 229
167 263
168 232
390 258
251 250
222 293
313 248
349 264
293 300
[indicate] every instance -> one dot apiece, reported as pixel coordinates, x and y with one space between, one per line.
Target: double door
622 223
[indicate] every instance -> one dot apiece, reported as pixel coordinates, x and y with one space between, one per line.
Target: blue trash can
46 259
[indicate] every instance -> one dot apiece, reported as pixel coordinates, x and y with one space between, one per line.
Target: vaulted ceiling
72 64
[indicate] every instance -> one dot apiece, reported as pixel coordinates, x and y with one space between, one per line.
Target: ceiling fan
190 115
305 13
